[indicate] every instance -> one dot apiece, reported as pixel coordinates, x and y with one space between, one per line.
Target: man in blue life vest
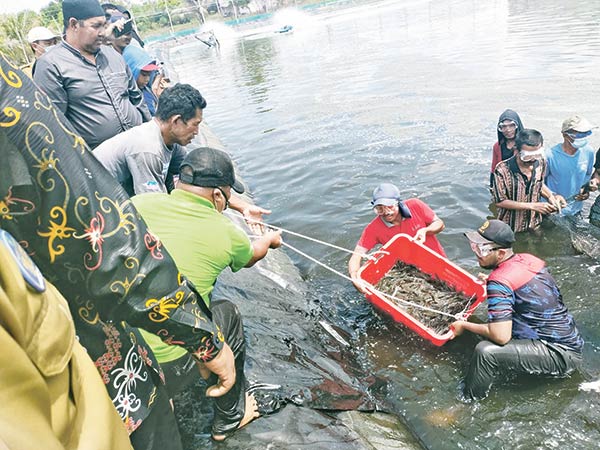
529 329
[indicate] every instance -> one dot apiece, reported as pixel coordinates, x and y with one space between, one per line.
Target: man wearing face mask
519 185
529 328
41 40
204 242
571 164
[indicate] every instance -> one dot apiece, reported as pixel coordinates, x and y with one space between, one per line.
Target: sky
12 6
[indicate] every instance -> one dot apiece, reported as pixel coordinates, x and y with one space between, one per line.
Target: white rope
366 284
372 288
293 233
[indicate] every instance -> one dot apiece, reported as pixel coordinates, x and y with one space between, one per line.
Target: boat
406 249
285 29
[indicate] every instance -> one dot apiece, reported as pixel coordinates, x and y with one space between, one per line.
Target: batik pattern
81 229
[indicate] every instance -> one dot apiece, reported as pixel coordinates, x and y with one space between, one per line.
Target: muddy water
410 92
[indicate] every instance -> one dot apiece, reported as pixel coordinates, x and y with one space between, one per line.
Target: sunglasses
483 250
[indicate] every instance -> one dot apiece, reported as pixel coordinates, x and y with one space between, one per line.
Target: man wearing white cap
41 40
571 164
89 82
394 216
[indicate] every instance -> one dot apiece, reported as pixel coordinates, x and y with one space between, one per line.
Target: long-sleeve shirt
100 100
82 231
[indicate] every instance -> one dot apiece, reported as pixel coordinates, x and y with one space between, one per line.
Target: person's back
201 240
139 159
51 393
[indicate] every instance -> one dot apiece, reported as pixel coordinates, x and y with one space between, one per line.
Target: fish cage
405 249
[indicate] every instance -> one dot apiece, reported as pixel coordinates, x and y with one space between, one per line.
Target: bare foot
250 414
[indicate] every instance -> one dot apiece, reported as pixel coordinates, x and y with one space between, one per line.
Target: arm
49 79
595 180
251 213
354 265
146 170
556 200
500 309
434 227
541 207
260 247
497 332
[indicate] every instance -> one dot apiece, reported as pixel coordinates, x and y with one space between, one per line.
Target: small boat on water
285 29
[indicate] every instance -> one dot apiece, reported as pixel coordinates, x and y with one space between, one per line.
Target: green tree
15 28
52 16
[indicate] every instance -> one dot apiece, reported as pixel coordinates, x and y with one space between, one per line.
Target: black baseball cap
493 232
211 168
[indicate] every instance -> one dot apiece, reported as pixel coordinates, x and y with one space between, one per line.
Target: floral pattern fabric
82 230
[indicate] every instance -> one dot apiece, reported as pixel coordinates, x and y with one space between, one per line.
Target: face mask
578 143
535 155
50 47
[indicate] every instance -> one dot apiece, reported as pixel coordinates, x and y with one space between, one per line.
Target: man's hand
558 201
118 24
457 328
584 193
421 235
274 237
359 284
543 207
223 366
254 214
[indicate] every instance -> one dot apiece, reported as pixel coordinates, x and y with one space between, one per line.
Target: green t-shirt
200 239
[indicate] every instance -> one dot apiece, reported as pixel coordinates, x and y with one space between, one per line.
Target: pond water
410 92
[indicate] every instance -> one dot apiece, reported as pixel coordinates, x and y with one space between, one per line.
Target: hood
136 58
510 115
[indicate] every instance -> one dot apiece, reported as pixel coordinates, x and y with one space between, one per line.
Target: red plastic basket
404 248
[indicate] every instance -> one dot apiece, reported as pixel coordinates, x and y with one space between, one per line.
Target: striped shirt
512 184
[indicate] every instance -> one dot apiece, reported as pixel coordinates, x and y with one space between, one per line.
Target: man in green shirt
203 242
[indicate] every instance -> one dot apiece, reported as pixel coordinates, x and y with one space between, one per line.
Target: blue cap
385 194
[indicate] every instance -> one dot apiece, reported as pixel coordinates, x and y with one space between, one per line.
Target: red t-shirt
378 232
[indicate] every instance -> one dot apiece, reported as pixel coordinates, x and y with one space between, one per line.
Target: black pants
595 212
229 408
520 356
159 430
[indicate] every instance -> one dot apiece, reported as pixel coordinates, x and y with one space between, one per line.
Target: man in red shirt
394 216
